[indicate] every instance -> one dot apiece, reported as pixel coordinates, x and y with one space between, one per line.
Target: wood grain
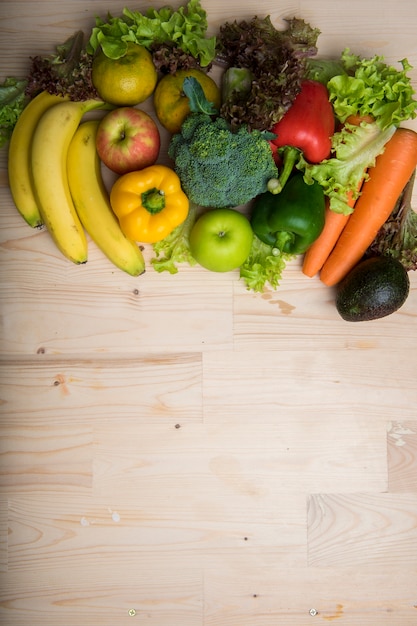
402 454
343 595
178 451
362 528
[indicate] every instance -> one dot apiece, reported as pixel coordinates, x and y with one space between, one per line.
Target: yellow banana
50 144
19 170
92 203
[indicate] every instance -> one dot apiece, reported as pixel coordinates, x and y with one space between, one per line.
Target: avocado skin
375 288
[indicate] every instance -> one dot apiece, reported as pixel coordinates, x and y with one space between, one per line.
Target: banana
50 144
92 203
19 170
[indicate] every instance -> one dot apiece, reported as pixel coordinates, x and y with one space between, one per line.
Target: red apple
128 139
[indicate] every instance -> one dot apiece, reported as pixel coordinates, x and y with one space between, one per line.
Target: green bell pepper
291 220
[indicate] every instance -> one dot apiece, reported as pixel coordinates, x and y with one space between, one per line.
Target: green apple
221 239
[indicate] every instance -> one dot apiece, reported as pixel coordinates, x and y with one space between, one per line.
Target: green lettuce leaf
13 100
263 267
175 248
371 87
322 70
185 27
355 149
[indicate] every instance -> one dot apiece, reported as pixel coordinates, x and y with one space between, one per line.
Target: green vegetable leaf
175 248
198 101
185 27
322 70
355 149
371 87
112 47
12 102
263 267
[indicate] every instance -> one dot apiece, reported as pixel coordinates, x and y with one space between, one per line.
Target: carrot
356 119
387 179
320 249
334 223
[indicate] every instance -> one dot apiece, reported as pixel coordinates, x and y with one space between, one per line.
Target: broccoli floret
218 167
190 124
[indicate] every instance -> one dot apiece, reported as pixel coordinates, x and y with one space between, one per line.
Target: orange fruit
126 81
172 105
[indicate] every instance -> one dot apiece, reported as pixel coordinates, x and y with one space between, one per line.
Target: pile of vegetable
313 150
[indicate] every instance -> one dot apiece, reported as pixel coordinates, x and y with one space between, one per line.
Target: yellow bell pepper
149 203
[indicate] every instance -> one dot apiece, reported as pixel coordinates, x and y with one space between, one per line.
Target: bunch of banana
55 179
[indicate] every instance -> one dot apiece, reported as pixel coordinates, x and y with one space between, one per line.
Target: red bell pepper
307 126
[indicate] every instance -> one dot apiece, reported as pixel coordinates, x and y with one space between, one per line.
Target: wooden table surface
178 451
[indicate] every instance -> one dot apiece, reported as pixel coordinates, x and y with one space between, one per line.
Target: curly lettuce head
370 87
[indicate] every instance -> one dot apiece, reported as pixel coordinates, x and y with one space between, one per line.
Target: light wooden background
184 450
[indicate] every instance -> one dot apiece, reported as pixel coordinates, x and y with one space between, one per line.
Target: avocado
374 288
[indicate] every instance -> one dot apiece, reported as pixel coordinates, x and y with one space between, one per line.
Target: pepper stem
283 238
153 200
290 156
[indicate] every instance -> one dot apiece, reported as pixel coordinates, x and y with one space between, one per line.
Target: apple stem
153 200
